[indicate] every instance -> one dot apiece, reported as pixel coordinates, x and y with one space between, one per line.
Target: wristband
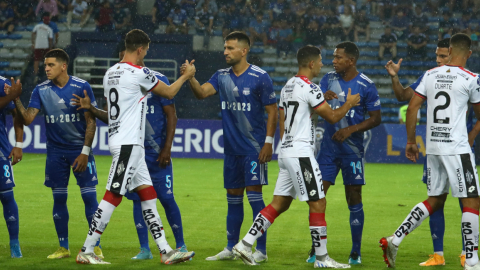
86 150
19 144
269 139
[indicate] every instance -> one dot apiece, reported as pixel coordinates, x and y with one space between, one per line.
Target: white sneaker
389 251
259 256
475 267
177 256
89 258
244 253
224 255
330 263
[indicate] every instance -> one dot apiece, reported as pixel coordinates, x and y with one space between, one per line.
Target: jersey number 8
113 104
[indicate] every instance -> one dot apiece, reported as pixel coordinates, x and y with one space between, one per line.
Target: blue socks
10 213
437 229
142 230
256 202
234 219
60 215
357 218
174 219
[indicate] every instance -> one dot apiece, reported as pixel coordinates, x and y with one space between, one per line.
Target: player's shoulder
468 72
44 85
331 75
224 71
364 80
76 82
3 79
257 70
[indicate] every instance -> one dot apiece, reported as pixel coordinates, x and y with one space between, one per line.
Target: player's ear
469 54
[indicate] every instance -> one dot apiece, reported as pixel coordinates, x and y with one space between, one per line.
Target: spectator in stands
62 6
276 8
402 115
233 19
417 44
328 5
446 26
314 36
177 21
464 22
299 7
188 6
23 10
253 6
6 17
399 25
419 19
347 21
49 6
212 6
204 24
103 18
349 3
332 24
285 38
55 30
299 37
273 33
258 29
362 25
388 43
288 15
78 9
42 42
312 14
121 19
160 10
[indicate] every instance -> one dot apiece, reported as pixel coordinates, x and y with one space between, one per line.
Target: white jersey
448 89
298 100
125 87
44 33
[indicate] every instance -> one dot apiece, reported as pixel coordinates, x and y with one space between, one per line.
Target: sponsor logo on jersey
307 176
146 70
246 91
272 95
120 168
313 192
478 81
299 181
377 103
342 94
469 177
361 83
254 178
61 101
116 185
471 189
74 85
459 179
8 181
448 71
252 74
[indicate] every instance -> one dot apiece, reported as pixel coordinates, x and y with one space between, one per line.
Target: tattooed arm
26 115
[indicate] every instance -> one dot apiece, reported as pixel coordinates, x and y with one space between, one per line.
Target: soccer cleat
144 254
434 259
354 258
98 251
89 258
244 253
475 267
389 250
463 257
330 263
60 253
15 251
224 255
176 256
259 257
183 248
311 256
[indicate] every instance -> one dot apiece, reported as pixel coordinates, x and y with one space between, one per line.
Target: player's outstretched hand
411 152
329 95
82 103
353 100
15 90
164 157
189 69
16 155
80 163
266 153
393 68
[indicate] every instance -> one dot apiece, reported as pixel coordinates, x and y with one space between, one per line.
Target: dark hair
135 39
350 49
45 14
240 36
59 54
121 47
461 41
306 54
444 43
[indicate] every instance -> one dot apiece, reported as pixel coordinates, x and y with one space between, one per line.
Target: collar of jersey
452 65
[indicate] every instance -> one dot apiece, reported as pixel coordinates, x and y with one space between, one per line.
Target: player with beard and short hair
246 92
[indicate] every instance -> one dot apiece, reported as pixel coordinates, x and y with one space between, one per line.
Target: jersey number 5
113 104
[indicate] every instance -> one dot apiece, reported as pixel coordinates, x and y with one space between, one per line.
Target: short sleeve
280 103
267 94
372 99
417 82
214 81
421 91
35 101
90 94
475 92
314 96
146 79
324 83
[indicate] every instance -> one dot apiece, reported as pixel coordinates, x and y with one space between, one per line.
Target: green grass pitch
391 191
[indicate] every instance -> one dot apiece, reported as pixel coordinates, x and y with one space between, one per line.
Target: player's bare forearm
26 115
200 91
99 114
411 122
169 92
374 120
401 93
281 124
171 124
18 126
272 112
473 133
336 114
91 128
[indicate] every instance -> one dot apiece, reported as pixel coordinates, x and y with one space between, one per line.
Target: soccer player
9 157
126 87
299 174
246 92
437 219
159 133
342 145
69 139
450 161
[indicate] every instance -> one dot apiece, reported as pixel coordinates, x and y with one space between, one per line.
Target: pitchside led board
204 139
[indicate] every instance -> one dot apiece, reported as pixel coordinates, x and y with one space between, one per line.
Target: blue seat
431 55
402 45
402 54
20 28
277 88
4 64
280 79
416 63
13 73
434 19
256 50
3 36
29 28
15 36
431 46
433 37
268 68
217 33
362 44
404 81
2 72
373 44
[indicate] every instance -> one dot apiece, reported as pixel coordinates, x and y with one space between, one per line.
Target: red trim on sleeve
281 108
158 81
319 104
422 96
468 72
128 63
305 79
470 210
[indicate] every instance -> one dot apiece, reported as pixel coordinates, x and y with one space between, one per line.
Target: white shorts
128 170
457 172
299 177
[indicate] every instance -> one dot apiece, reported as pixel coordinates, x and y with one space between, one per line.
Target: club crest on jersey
146 70
478 80
307 176
246 91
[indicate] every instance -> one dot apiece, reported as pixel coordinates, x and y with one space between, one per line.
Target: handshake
188 69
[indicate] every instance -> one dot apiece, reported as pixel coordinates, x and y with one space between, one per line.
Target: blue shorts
58 166
353 172
243 171
6 181
162 178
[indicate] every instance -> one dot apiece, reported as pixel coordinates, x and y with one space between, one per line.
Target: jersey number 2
441 107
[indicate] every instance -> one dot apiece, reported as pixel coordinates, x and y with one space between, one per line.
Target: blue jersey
156 125
369 101
243 99
5 146
417 82
65 125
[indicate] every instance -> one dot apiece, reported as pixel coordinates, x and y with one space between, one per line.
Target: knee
353 195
